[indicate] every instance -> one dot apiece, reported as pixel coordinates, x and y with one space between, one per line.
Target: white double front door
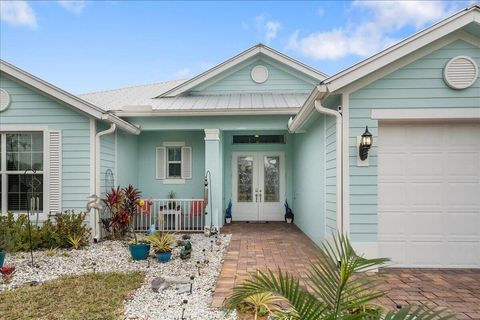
258 186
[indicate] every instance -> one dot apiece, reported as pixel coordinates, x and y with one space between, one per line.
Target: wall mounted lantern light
365 144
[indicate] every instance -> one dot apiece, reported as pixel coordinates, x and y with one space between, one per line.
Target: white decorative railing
183 215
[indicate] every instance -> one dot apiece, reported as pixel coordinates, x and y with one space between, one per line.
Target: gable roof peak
239 58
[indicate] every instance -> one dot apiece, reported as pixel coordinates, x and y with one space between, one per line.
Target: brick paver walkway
272 245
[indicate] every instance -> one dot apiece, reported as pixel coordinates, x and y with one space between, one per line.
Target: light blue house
264 128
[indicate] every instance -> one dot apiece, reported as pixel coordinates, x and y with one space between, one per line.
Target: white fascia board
243 56
295 124
403 48
122 124
51 90
427 114
215 112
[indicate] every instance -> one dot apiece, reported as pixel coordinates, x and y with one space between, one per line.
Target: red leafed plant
122 206
7 273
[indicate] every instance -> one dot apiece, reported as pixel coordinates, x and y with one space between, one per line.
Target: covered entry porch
247 162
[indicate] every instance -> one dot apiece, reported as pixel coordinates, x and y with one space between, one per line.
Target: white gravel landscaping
109 256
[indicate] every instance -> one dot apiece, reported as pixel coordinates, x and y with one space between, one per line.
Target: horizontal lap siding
417 85
29 109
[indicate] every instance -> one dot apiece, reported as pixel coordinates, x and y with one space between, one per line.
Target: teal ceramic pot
139 251
2 258
163 257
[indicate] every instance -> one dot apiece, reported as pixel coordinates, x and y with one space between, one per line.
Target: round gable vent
259 74
4 99
460 72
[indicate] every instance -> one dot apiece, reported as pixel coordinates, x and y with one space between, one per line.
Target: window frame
168 162
4 173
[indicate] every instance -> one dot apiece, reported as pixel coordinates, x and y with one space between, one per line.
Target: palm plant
339 288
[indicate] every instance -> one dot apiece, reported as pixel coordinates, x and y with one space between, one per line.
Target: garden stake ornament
33 204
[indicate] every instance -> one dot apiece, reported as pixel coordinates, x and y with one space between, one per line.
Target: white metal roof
138 95
140 100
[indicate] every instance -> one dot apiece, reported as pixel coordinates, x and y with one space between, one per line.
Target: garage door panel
429 201
424 224
462 164
424 164
425 136
463 254
394 225
463 193
395 193
466 135
390 167
396 251
425 194
424 253
463 224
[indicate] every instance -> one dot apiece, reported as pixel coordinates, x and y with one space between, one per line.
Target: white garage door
429 194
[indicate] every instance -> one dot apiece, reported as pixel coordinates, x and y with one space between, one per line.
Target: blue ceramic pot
2 258
139 251
163 257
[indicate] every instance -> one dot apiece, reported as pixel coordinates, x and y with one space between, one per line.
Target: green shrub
48 235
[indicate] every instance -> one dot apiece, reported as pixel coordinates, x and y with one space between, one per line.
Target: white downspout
98 135
339 156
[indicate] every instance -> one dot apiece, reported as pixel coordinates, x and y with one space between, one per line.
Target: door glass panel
272 178
245 179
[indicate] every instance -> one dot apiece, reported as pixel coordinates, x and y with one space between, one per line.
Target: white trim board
426 114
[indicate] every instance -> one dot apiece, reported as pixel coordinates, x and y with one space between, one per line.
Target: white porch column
213 164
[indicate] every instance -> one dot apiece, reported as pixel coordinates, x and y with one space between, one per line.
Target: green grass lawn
90 296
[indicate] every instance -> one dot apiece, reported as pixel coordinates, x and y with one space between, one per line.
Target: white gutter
339 157
98 135
130 128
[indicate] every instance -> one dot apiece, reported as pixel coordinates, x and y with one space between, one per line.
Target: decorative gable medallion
259 74
460 72
4 99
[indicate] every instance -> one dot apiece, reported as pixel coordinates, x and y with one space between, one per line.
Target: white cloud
272 29
75 6
182 72
18 13
379 21
268 29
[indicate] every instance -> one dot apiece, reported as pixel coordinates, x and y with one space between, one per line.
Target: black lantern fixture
365 144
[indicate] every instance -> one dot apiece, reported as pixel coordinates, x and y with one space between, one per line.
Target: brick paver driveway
262 246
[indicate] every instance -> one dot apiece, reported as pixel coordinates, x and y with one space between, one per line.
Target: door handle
260 193
256 197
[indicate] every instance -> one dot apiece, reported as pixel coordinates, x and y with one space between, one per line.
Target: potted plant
259 306
172 205
228 212
288 213
123 206
162 243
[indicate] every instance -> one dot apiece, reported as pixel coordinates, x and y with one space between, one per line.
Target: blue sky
84 46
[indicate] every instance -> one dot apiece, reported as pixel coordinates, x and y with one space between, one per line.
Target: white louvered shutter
160 163
54 171
186 162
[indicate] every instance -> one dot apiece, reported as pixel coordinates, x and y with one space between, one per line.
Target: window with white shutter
54 172
187 163
22 189
173 163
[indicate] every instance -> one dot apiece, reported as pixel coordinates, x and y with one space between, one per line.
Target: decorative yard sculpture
186 251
